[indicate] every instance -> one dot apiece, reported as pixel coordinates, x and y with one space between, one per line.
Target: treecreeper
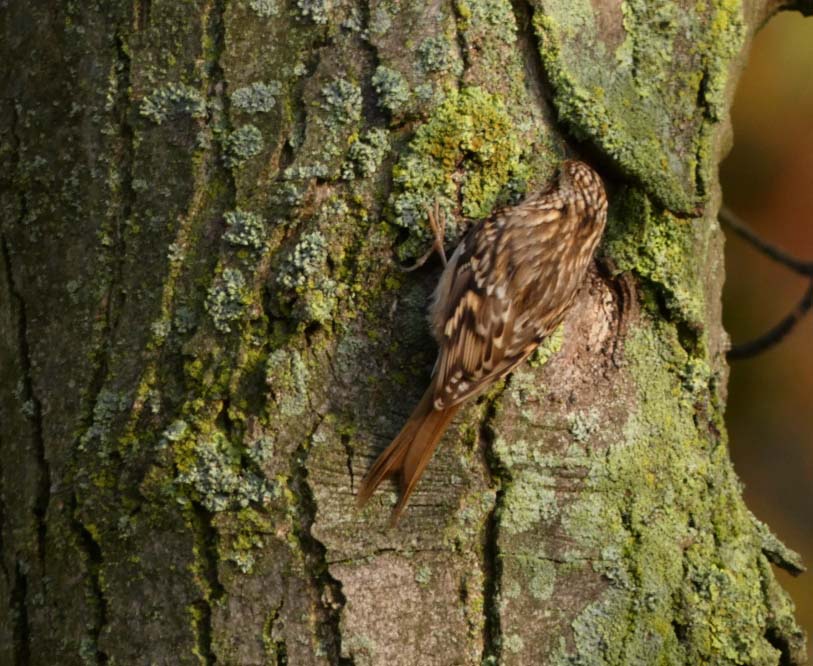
506 287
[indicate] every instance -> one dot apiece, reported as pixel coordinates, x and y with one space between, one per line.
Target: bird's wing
480 328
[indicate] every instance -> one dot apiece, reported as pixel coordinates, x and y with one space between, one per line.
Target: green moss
245 229
468 142
173 100
243 144
227 299
258 97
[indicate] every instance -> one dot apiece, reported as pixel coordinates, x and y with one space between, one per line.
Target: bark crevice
499 477
328 597
218 102
94 560
537 81
31 402
207 558
21 630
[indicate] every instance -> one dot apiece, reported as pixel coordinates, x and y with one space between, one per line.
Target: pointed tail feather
409 453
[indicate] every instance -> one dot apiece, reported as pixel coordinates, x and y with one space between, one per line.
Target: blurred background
768 181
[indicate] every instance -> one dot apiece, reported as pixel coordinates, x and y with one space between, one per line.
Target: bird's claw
438 227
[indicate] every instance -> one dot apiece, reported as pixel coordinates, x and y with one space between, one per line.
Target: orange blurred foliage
768 181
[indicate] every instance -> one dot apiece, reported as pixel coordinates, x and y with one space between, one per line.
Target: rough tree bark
205 338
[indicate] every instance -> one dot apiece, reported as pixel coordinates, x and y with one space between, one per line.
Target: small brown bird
507 286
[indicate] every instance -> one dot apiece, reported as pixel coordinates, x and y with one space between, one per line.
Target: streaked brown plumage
506 287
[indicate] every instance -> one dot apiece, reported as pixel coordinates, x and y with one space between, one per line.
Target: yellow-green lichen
423 575
662 249
243 544
550 345
649 99
469 143
653 507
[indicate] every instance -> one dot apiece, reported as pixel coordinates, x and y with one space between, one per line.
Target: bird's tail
409 453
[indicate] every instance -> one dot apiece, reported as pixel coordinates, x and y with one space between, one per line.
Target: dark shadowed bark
205 338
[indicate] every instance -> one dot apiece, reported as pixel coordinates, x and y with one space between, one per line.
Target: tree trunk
205 338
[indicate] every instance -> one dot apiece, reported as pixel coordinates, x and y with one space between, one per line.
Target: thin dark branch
733 222
777 333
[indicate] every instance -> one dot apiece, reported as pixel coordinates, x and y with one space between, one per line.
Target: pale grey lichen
227 299
380 20
304 274
287 378
304 172
435 55
217 477
316 10
261 451
243 144
108 405
245 229
174 432
528 500
258 97
28 407
366 154
184 319
265 8
160 329
172 100
423 575
354 20
392 88
582 424
307 259
513 643
343 100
